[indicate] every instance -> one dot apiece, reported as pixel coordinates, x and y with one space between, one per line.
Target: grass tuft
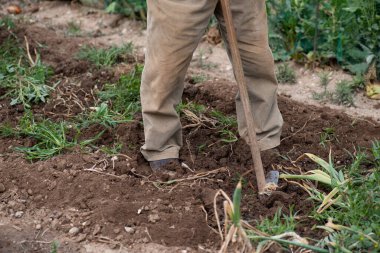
285 74
124 95
101 57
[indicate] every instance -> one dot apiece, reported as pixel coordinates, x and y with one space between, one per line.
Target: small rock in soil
74 231
153 218
30 192
38 226
81 238
19 214
2 188
116 230
97 229
129 230
145 240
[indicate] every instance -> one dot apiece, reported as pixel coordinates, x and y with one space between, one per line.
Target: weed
200 78
327 135
191 106
54 247
115 149
124 96
280 223
227 126
105 57
136 9
7 22
24 81
73 29
324 79
285 74
344 93
50 137
6 130
103 116
353 204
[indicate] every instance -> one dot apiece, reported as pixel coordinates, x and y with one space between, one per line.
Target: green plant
280 223
50 137
7 22
227 126
353 203
137 9
327 135
124 96
344 93
191 106
200 78
73 28
54 247
103 116
323 31
285 74
24 78
102 57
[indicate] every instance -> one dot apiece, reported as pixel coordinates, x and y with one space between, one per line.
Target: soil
82 197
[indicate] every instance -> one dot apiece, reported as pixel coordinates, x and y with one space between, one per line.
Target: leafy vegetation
353 203
101 57
23 78
49 138
124 96
311 32
135 9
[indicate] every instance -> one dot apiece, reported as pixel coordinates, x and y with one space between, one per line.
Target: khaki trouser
175 28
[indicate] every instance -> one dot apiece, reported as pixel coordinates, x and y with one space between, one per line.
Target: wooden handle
240 79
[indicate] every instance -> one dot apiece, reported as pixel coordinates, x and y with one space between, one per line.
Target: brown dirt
101 194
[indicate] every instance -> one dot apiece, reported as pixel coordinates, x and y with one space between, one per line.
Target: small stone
38 226
145 240
129 230
30 192
97 229
86 223
19 214
81 238
116 230
119 238
74 231
2 188
153 218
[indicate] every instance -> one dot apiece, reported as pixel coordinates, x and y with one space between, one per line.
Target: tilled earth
84 196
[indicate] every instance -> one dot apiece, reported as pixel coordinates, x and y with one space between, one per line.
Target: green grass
191 106
102 57
25 82
280 223
285 74
50 138
73 29
124 95
344 93
200 78
104 116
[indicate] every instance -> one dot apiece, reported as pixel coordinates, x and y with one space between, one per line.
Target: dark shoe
163 163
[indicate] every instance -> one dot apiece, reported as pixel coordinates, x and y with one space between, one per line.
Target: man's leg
174 30
250 21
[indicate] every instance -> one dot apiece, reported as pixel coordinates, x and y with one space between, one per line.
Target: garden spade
265 185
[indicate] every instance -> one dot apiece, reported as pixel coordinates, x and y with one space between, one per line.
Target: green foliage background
343 32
